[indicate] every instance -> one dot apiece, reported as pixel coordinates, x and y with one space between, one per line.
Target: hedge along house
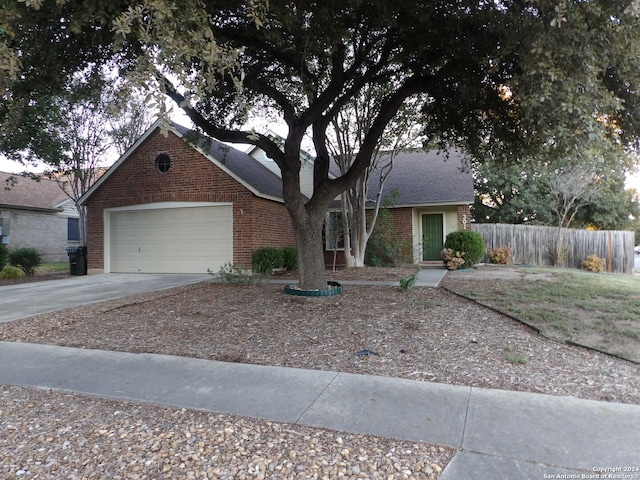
37 214
180 203
435 191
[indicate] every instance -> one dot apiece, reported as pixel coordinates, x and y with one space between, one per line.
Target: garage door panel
171 240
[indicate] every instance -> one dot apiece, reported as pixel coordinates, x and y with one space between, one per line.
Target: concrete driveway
33 298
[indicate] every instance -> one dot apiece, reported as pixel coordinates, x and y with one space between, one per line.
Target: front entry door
432 237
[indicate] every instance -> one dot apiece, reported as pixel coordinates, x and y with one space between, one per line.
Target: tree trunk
307 220
82 224
311 268
347 229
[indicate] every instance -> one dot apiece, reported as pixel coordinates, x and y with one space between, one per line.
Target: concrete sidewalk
498 434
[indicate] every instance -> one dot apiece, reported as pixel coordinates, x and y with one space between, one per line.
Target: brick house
168 207
37 214
435 191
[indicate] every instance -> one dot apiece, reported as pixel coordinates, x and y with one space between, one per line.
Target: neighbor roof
26 193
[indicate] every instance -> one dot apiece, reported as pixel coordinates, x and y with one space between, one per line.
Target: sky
9 166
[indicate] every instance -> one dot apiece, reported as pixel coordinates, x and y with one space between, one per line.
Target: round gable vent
163 163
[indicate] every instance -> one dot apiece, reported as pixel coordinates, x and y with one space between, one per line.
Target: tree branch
223 134
388 110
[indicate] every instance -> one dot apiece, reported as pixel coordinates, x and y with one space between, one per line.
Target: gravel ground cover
424 334
48 435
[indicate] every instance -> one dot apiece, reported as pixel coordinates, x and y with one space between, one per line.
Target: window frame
332 219
73 226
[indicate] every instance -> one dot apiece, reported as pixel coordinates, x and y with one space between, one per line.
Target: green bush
236 275
26 259
467 242
265 259
10 272
290 258
4 255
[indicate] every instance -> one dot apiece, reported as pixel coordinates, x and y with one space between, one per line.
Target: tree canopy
510 74
529 191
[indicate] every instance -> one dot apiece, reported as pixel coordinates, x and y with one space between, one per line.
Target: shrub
10 272
235 275
4 255
559 254
387 245
469 243
27 259
452 260
593 263
290 258
265 259
500 255
407 284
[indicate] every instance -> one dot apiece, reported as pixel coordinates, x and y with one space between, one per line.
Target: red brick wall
464 217
265 224
192 178
401 219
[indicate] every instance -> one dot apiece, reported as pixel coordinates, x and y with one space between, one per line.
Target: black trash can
77 260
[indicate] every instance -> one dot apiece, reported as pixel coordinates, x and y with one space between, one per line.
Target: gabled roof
421 177
279 140
239 165
428 177
424 178
242 166
26 193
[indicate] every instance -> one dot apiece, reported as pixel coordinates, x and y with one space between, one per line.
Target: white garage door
171 240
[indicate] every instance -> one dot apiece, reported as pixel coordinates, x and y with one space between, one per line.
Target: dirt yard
424 334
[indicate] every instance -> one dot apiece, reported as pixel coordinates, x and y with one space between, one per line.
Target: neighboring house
168 207
435 193
37 214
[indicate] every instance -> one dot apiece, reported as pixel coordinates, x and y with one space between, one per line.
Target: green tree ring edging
334 289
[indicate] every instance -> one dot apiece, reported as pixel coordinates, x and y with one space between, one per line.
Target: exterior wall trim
164 205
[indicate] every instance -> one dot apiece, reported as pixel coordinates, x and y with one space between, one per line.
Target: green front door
432 238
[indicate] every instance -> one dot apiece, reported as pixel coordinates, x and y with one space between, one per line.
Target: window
163 163
333 230
73 229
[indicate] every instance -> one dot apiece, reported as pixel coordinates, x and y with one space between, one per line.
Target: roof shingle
429 177
242 165
425 178
29 193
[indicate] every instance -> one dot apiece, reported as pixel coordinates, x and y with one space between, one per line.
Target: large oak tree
508 74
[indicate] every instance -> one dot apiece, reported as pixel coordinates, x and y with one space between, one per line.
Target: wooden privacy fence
533 245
